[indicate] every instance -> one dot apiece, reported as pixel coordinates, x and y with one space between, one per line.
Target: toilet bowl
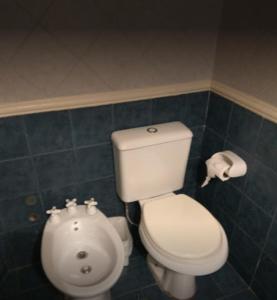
183 241
82 254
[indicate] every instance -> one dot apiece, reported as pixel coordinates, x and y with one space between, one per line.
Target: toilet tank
151 160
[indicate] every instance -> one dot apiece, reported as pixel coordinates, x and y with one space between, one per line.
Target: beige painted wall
246 57
68 47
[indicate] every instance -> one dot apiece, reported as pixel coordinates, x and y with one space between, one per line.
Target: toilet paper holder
224 165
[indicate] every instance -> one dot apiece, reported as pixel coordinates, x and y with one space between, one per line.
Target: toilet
182 237
81 252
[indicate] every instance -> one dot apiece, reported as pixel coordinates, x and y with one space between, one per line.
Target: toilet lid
181 226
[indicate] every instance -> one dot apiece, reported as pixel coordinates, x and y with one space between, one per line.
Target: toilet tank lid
150 135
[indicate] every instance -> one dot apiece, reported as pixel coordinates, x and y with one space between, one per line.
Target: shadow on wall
245 206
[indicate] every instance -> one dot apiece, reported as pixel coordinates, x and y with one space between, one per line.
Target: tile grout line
31 157
257 138
73 138
53 152
228 124
262 252
207 107
233 294
243 231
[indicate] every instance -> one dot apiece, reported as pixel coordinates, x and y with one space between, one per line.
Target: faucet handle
71 203
91 202
53 211
91 206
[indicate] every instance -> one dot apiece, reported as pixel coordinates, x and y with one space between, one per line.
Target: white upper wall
246 57
68 47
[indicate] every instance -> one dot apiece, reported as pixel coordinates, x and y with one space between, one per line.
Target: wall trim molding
96 99
262 108
265 109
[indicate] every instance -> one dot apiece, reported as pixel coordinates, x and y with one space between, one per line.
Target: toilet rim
168 217
197 266
95 289
178 259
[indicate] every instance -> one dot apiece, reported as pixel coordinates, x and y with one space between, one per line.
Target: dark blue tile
16 178
25 245
138 248
266 279
271 245
5 250
192 176
189 190
31 277
9 285
131 296
259 290
133 114
95 162
196 108
228 199
196 145
206 289
253 221
103 191
240 182
3 268
153 293
143 275
13 141
244 254
92 125
212 143
244 128
57 196
16 213
225 220
267 144
206 194
228 280
48 132
43 293
127 282
261 187
55 170
244 295
218 114
168 109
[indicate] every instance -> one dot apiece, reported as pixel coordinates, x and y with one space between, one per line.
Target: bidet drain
82 254
86 269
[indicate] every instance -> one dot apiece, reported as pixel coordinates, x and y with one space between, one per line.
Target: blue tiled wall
246 206
48 157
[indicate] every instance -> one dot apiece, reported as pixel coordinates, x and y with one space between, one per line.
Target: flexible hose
128 216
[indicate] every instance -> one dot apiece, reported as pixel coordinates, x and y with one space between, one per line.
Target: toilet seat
163 239
181 226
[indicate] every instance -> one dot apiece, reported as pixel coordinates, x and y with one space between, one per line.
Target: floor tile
245 295
228 280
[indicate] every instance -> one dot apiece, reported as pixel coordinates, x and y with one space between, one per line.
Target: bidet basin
82 254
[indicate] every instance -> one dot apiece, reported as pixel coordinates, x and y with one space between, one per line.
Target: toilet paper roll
224 165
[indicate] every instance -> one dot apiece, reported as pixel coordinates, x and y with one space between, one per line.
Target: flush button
152 130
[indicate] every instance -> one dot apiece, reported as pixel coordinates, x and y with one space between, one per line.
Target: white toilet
81 252
182 237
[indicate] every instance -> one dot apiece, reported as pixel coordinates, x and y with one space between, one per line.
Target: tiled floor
137 283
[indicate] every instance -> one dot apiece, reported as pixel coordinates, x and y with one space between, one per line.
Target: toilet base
174 284
104 296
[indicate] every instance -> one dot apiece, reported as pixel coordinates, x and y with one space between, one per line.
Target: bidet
82 253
